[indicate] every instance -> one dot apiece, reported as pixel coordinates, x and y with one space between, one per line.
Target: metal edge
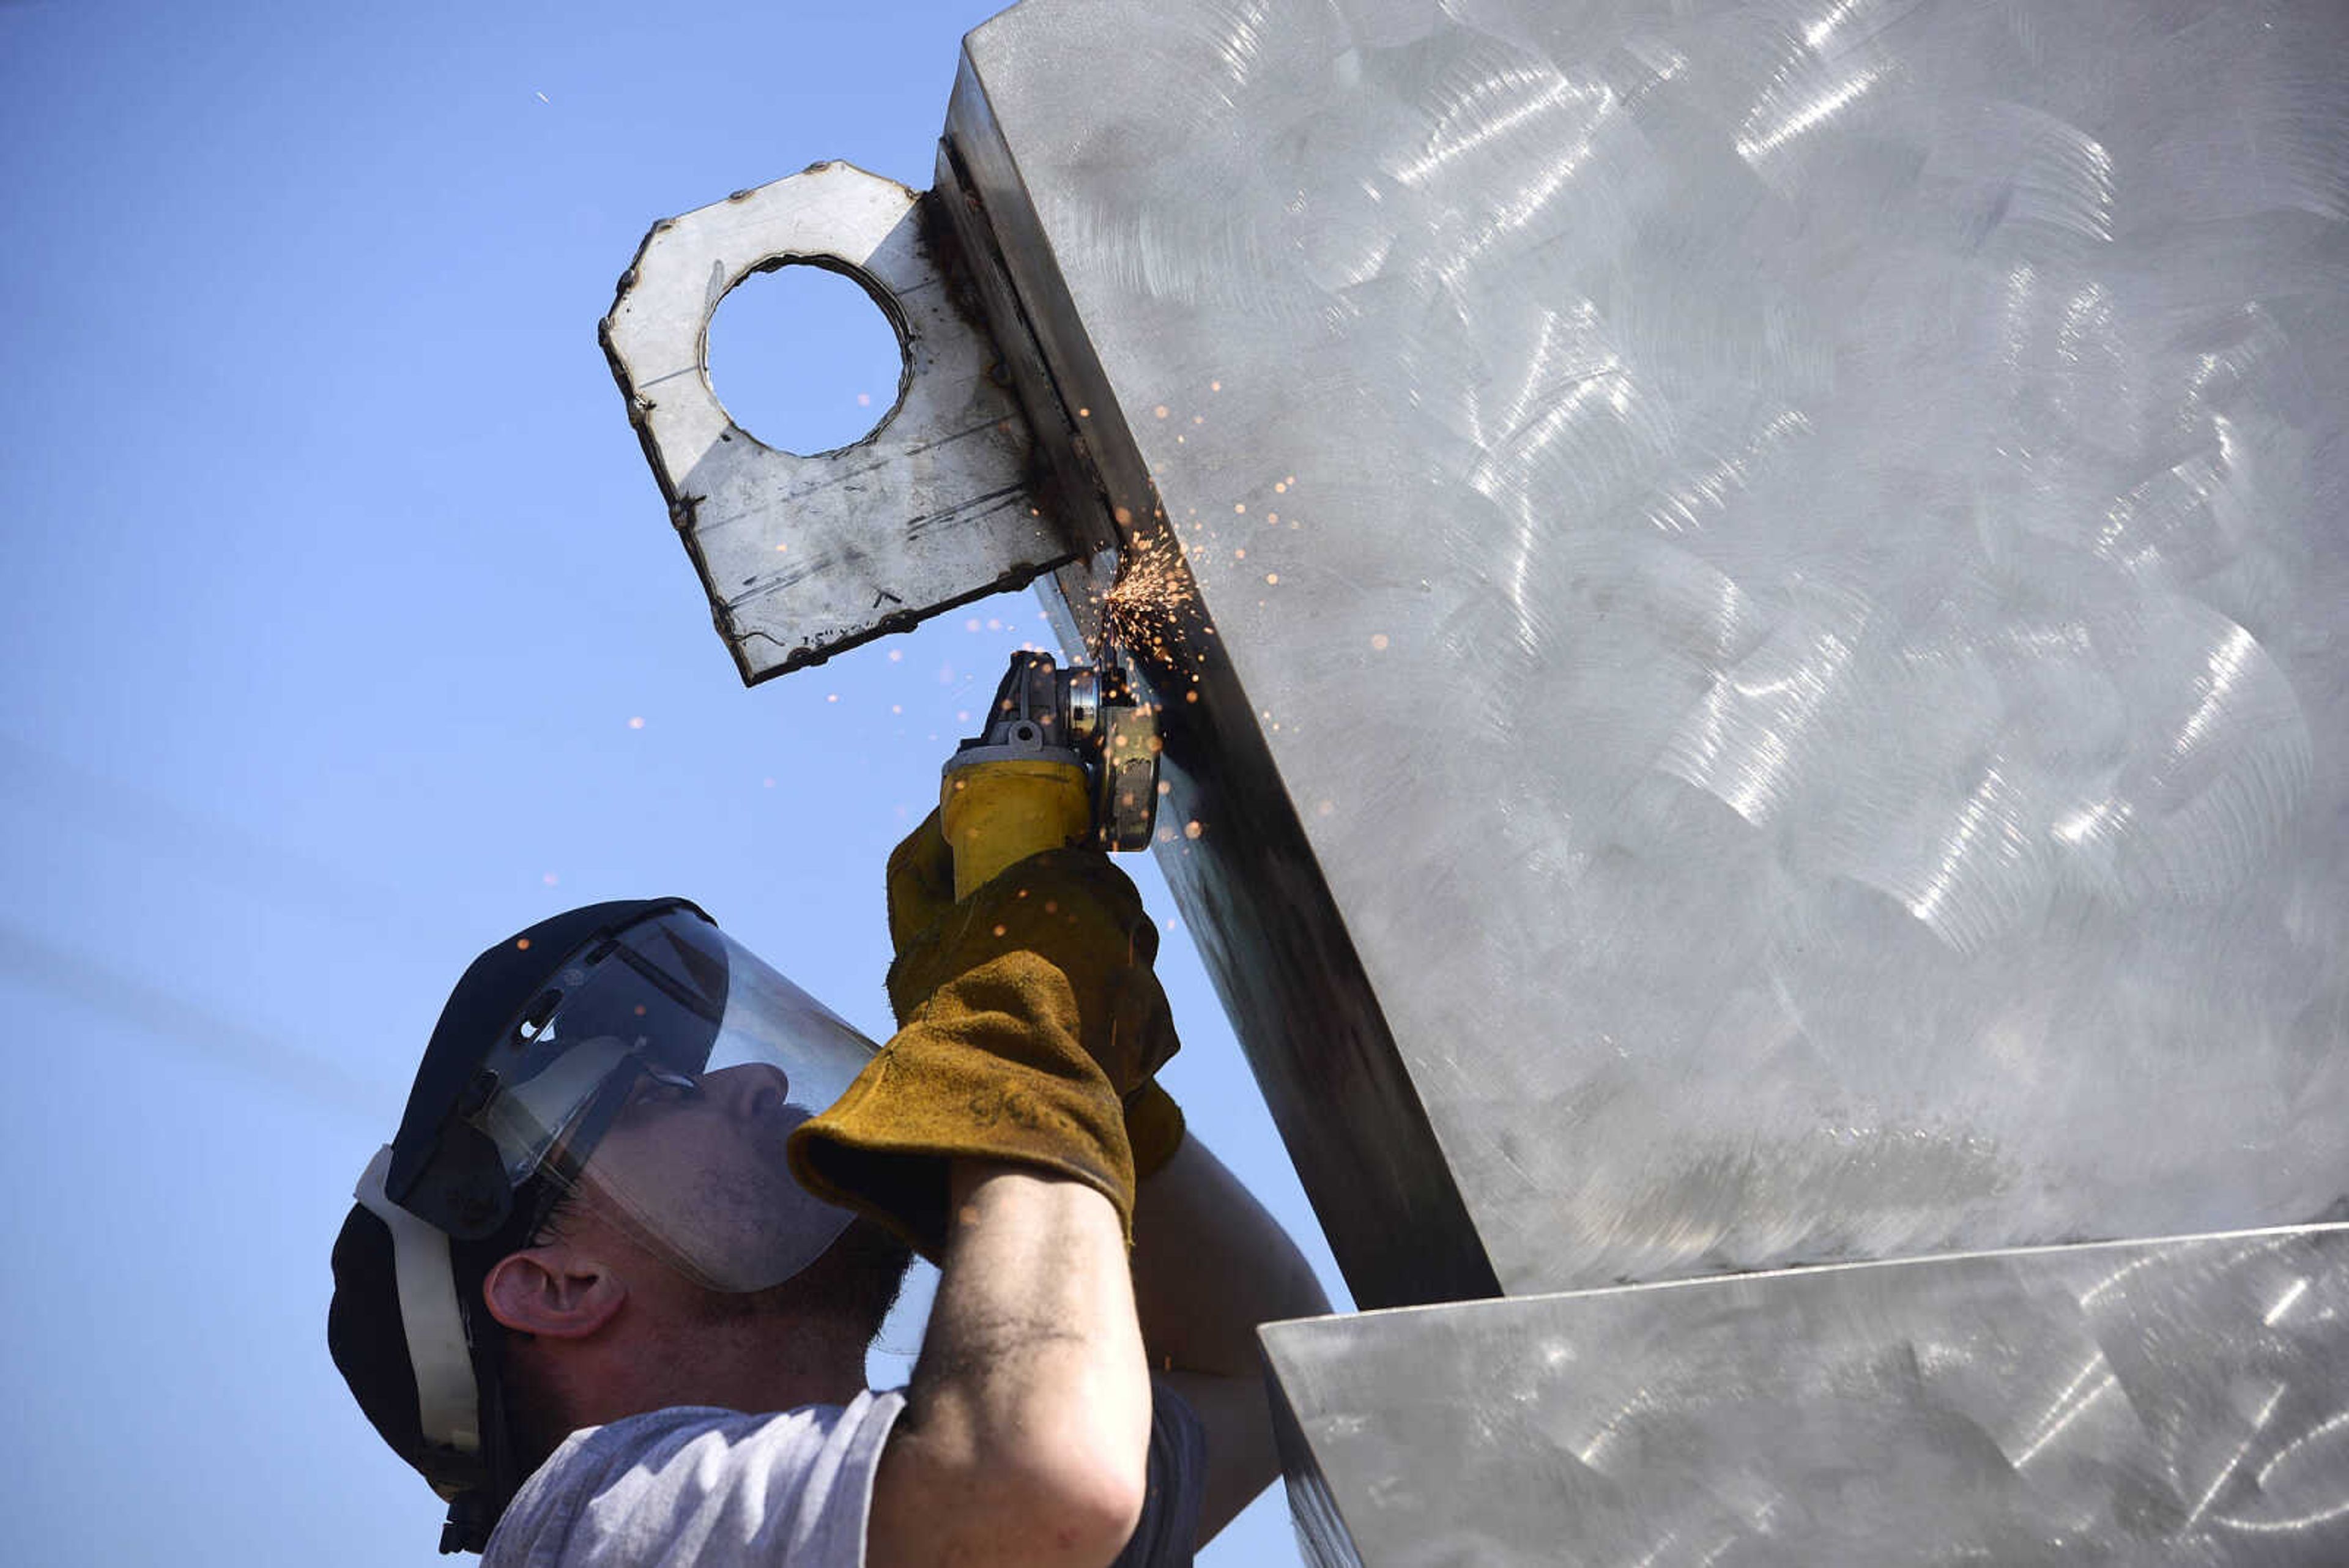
1072 489
1270 1335
1322 1534
679 509
1302 1006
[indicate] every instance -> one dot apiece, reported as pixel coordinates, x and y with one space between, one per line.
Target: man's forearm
1034 1307
1026 1430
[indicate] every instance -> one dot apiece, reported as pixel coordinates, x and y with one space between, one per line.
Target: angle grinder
1066 757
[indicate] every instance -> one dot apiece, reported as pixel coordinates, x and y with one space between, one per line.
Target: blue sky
344 633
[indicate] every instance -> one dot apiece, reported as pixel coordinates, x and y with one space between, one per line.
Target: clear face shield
655 1080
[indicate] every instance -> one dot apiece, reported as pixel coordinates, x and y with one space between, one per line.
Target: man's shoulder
700 1483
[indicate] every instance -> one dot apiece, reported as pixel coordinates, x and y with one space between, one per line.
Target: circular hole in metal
804 359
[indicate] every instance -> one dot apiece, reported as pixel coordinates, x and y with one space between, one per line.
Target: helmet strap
447 1400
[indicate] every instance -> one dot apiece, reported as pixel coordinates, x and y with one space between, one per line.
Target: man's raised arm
991 1132
1025 1428
1209 1266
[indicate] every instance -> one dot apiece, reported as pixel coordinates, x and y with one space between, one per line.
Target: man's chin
854 1283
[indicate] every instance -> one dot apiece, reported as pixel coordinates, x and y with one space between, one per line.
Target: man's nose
748 1091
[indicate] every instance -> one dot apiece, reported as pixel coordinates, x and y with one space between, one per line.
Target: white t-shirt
718 1489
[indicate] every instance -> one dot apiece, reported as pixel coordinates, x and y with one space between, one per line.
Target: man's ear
554 1290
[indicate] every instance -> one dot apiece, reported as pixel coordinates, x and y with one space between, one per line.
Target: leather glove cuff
985 1072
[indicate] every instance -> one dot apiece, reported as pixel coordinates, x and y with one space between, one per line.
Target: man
611 1287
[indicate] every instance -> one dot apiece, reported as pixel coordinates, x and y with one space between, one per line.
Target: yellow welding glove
921 894
1028 1013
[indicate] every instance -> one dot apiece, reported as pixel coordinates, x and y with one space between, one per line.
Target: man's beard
854 1284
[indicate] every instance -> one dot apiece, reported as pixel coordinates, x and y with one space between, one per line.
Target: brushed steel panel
2171 1402
1783 569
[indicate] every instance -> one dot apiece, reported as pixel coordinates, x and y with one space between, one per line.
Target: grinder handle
996 814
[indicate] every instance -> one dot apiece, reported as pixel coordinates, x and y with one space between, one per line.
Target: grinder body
1066 757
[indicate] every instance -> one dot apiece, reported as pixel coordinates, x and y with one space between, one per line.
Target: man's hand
1072 908
1047 902
1026 1430
1027 1012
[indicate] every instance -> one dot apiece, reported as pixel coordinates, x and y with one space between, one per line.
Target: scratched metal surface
2174 1402
1789 560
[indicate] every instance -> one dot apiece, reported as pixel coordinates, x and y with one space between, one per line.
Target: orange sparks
1147 605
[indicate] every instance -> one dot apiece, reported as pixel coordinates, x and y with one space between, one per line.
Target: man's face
695 1168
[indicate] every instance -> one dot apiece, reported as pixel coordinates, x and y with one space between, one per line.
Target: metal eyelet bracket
804 556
